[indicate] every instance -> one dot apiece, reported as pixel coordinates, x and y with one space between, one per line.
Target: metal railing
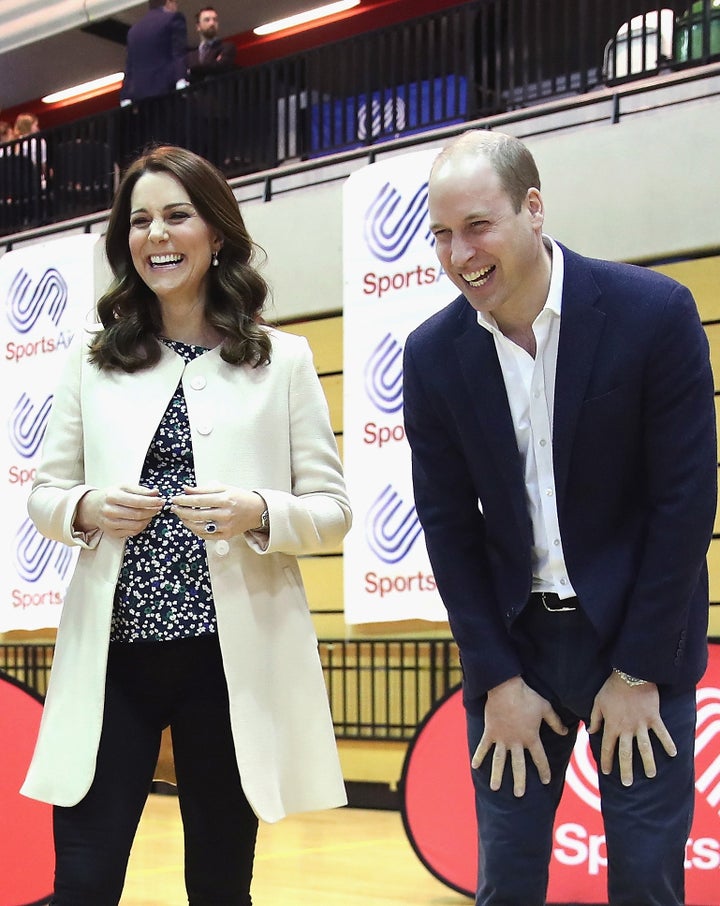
378 689
28 662
383 688
456 65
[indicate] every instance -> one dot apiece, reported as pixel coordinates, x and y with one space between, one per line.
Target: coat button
222 548
198 382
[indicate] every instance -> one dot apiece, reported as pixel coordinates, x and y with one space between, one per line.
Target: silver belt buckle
554 609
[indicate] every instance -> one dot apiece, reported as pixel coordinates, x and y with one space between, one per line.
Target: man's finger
666 740
480 754
646 753
537 753
498 767
607 751
517 762
625 759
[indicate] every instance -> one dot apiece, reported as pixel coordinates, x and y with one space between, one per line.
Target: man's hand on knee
514 714
627 714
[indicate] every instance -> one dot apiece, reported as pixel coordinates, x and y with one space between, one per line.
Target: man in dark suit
561 420
156 61
212 56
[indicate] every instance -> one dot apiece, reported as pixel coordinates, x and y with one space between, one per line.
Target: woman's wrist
263 518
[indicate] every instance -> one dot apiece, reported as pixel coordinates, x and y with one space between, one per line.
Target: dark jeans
646 825
151 686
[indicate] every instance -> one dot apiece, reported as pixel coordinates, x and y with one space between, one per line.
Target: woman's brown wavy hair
129 311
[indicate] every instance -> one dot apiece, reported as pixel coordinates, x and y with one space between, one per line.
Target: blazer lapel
483 377
581 326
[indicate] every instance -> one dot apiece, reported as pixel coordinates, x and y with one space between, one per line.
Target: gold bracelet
629 680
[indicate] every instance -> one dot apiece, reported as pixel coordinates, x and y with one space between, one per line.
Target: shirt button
548 492
222 548
204 428
543 442
563 581
198 382
556 542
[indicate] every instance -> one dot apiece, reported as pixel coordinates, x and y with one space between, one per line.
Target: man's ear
535 206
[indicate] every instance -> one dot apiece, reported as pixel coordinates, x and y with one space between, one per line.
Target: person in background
190 456
156 59
216 123
26 125
560 414
7 133
212 56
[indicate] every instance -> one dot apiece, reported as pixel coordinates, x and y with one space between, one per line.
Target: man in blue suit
561 419
156 61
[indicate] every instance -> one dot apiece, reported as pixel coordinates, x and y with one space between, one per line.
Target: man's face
491 252
207 25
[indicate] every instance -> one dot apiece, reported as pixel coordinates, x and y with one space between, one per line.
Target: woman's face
170 244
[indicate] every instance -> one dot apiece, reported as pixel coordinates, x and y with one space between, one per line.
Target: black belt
552 603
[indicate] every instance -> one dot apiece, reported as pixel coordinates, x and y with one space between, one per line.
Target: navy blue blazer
156 55
635 461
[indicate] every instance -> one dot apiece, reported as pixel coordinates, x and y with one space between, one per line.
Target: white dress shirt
530 387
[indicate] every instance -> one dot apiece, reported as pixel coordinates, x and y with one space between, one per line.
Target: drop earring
215 262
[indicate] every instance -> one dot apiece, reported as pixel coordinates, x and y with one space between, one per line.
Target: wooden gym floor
342 857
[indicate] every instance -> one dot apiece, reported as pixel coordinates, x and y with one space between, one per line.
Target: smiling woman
169 205
190 454
172 249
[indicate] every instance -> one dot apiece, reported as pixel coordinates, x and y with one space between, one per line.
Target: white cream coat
265 429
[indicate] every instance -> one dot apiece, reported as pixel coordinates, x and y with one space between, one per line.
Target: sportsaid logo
383 375
392 222
27 424
26 429
391 529
34 556
392 526
384 388
28 301
579 838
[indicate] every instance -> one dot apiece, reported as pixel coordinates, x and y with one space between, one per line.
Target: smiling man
561 419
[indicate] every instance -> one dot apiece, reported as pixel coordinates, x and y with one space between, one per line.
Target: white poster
392 282
47 291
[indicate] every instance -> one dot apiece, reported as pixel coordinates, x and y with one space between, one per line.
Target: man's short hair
509 157
205 9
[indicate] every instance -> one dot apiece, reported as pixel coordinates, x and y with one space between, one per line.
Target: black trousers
150 686
646 825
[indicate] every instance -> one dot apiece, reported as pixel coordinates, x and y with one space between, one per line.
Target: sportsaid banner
47 292
392 282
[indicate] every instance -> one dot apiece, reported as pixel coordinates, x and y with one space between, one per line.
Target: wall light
320 12
96 86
